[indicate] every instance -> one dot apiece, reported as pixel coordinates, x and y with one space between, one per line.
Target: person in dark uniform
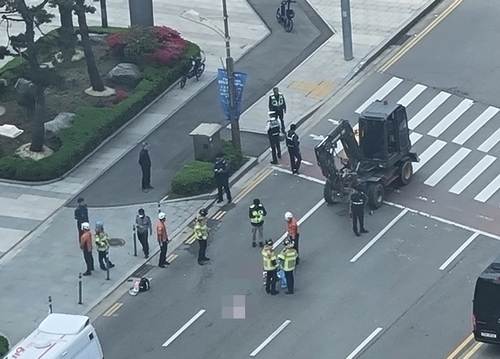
293 145
145 163
273 132
357 211
277 104
81 216
221 174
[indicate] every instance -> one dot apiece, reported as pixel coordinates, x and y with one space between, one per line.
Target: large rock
24 86
63 120
125 74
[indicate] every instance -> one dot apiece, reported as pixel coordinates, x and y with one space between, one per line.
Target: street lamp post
235 125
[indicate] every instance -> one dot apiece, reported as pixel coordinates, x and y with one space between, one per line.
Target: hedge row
93 125
4 346
197 177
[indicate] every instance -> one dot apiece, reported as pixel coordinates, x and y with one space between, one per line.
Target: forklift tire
406 172
375 195
327 192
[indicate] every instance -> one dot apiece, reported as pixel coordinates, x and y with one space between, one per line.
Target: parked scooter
284 14
196 68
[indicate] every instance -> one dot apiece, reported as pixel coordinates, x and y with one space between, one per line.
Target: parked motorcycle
194 69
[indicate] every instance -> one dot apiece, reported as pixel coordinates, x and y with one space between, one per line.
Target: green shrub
93 125
197 177
4 346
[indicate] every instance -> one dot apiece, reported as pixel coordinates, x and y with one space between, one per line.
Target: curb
368 59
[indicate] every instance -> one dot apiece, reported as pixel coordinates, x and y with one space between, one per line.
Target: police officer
293 143
273 132
277 104
289 257
102 244
201 234
270 267
221 174
256 213
356 211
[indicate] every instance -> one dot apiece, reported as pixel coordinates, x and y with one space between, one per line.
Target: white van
60 336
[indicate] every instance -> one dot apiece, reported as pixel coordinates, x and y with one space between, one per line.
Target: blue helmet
99 225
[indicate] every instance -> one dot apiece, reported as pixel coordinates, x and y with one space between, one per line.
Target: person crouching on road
86 247
273 133
201 234
270 267
289 257
257 212
162 237
102 244
292 228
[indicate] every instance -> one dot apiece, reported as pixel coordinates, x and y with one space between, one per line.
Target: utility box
141 13
207 142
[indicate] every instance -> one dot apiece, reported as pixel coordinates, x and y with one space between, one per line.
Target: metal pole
107 265
134 235
80 288
50 304
345 8
104 14
159 207
235 125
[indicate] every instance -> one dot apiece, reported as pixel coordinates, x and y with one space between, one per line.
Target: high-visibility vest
277 102
101 241
270 259
257 214
289 258
200 230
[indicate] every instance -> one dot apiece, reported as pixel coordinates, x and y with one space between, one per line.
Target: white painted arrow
317 138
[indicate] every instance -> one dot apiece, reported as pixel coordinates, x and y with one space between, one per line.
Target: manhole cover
116 242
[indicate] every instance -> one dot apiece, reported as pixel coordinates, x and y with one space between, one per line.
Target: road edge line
270 338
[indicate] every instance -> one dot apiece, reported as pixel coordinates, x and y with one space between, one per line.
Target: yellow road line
112 309
219 215
190 240
171 257
420 36
254 184
473 351
461 347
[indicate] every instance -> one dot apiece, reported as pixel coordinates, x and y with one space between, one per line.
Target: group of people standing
275 129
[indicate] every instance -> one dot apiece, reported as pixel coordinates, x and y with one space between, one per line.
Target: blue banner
240 79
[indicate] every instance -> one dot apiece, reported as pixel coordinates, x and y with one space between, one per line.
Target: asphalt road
395 285
171 147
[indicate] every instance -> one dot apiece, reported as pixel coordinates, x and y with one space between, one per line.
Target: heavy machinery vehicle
381 155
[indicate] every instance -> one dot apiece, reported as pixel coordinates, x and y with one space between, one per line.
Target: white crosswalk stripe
468 121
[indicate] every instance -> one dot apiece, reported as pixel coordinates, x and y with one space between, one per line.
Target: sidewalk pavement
57 263
374 23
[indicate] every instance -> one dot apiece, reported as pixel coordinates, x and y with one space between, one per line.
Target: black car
486 305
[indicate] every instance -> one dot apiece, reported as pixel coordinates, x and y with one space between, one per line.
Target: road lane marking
489 190
380 94
458 251
420 36
308 178
427 155
111 310
447 167
171 257
300 221
218 215
428 110
183 328
190 240
379 235
490 142
412 95
364 343
261 177
473 351
450 118
414 137
474 173
270 338
461 347
478 123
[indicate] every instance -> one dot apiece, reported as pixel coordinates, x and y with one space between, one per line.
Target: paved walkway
51 250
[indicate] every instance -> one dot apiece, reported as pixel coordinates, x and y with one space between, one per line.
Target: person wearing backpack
273 132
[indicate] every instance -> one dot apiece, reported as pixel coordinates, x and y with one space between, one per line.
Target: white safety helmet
161 215
85 226
288 216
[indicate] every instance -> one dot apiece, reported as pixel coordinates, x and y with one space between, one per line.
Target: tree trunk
38 136
95 77
67 32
